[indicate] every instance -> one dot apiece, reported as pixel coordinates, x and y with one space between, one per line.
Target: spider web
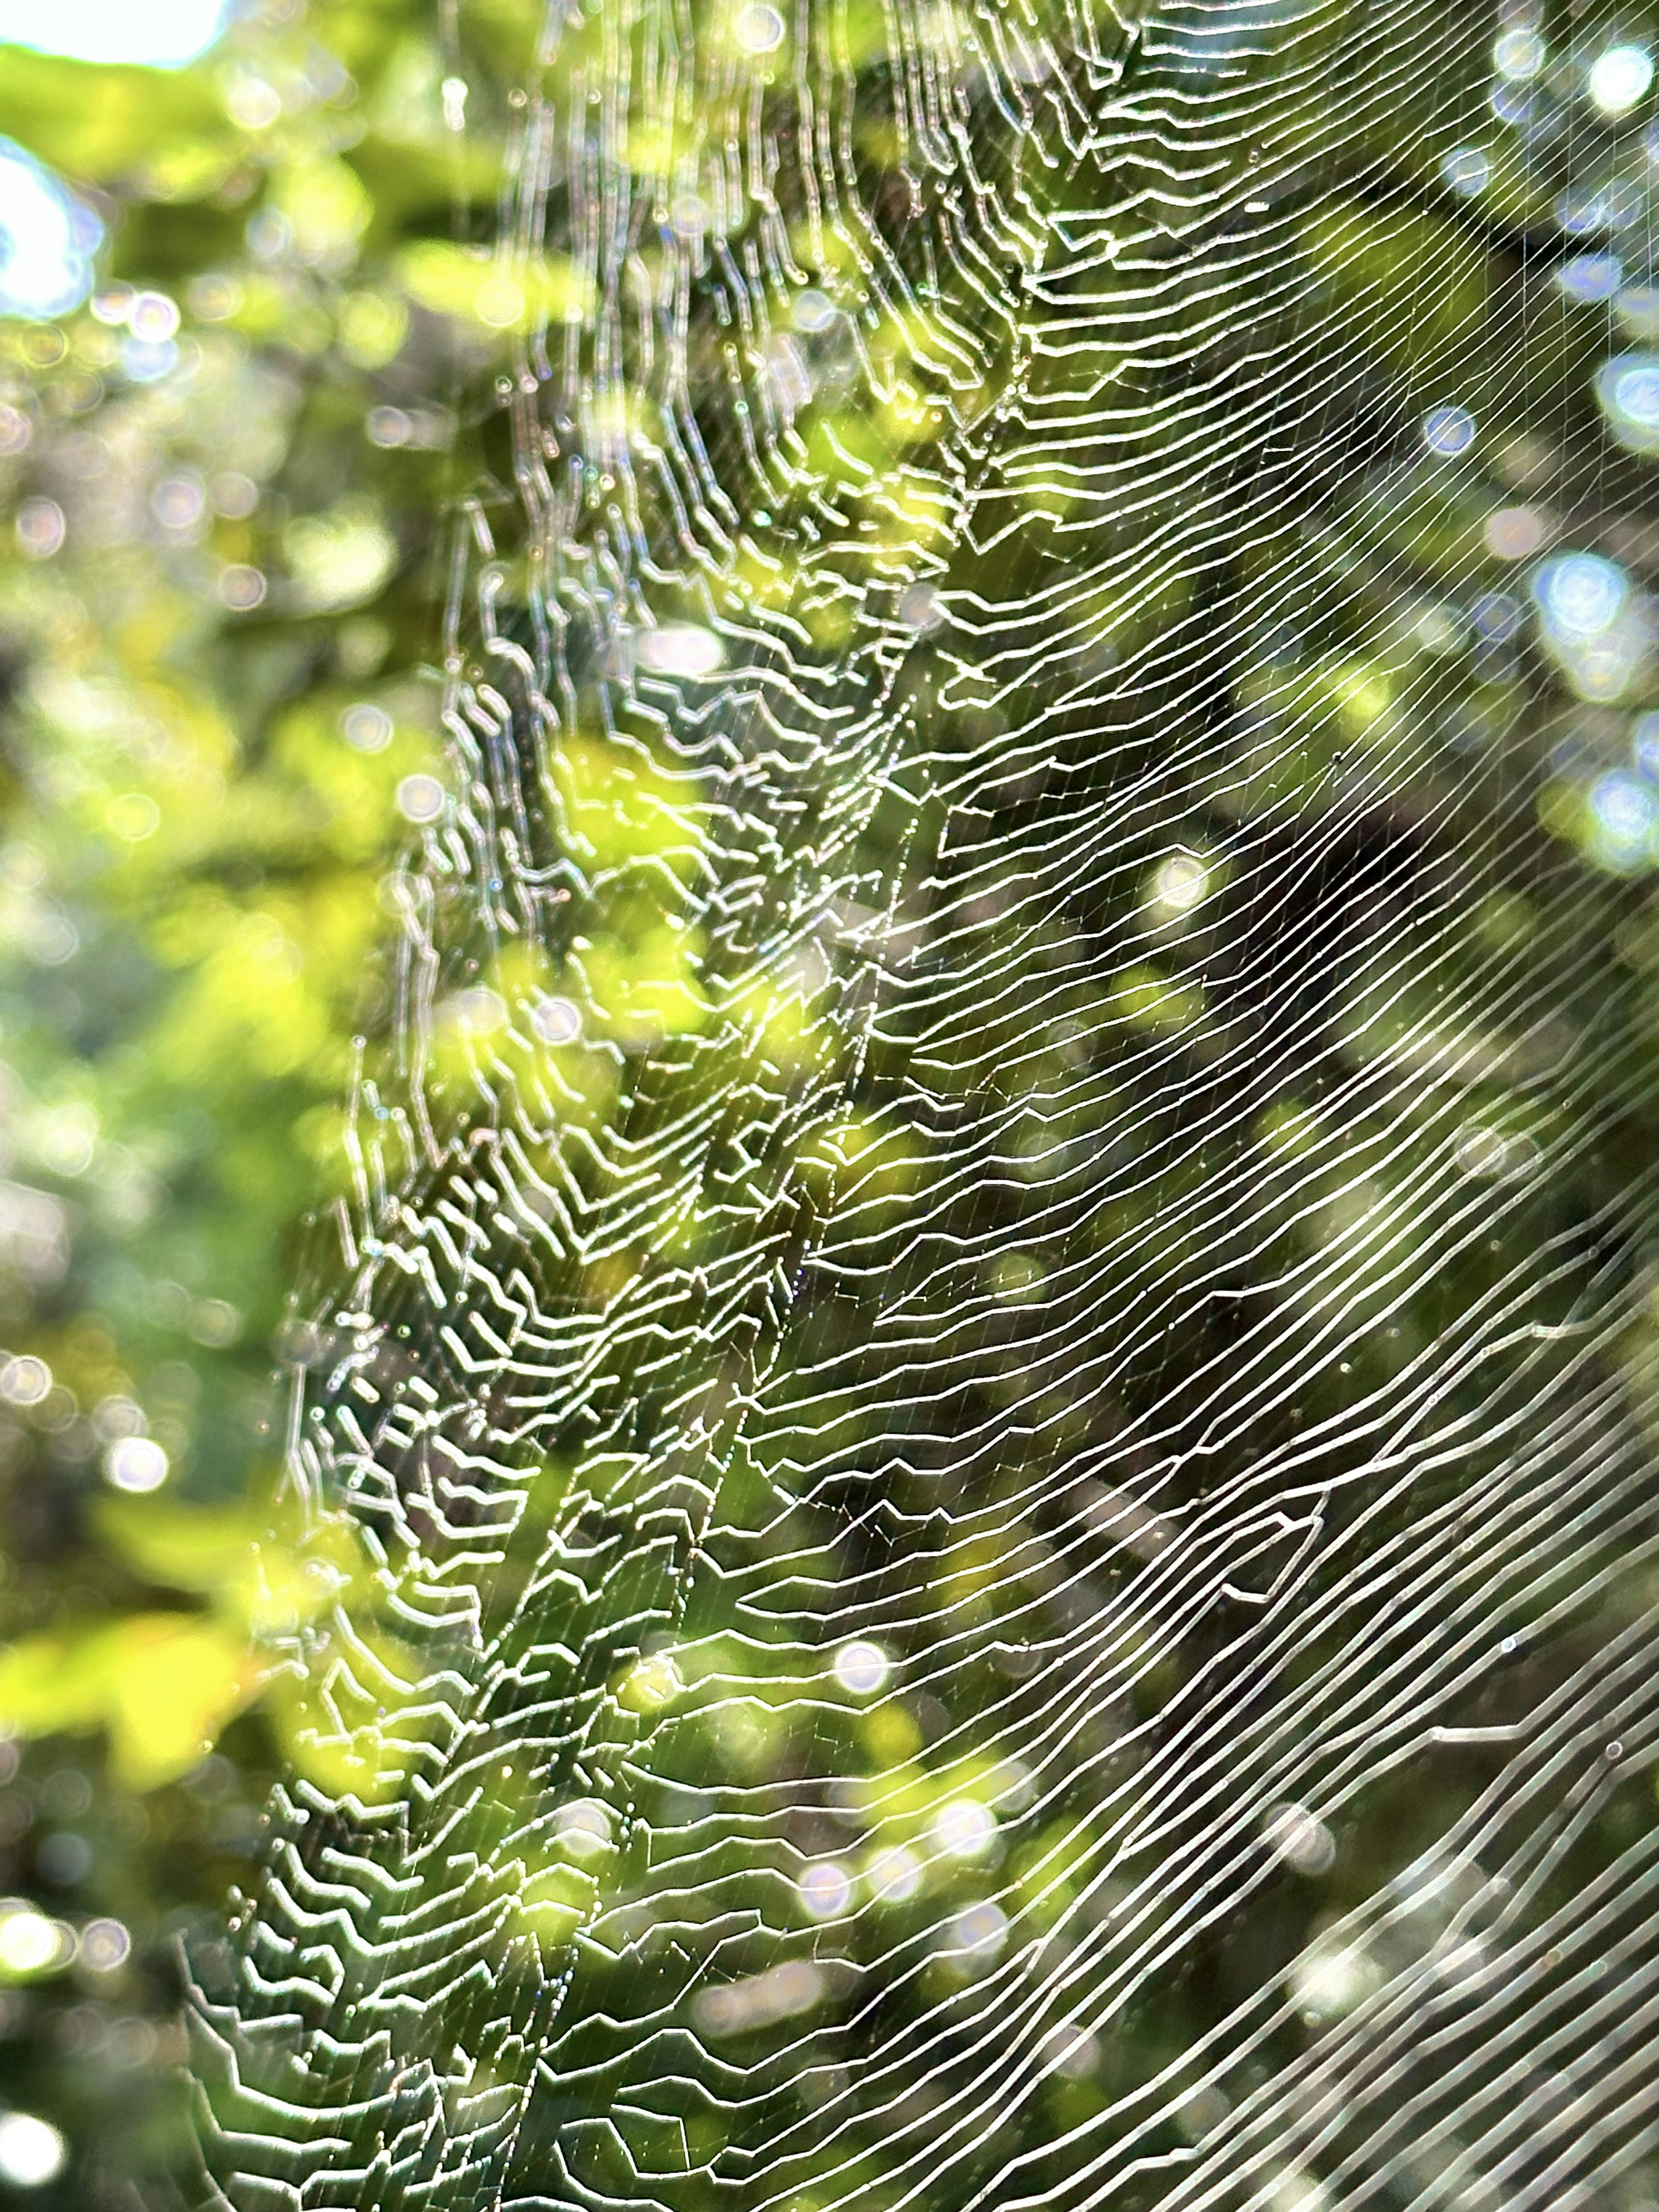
993 1353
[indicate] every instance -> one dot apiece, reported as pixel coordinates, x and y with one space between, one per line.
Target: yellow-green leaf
451 280
175 1680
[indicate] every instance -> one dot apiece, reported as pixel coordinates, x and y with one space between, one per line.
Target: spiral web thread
991 1366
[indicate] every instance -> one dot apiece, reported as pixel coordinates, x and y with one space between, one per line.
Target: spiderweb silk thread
993 1362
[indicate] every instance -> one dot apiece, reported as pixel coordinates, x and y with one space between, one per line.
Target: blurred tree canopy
228 468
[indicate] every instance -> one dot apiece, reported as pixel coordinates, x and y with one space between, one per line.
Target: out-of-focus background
237 313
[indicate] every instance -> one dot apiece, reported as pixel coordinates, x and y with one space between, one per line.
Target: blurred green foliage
228 471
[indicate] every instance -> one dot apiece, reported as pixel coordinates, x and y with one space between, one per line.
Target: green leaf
163 1684
108 122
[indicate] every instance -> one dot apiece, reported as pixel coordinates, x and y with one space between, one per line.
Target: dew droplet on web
366 728
421 798
679 649
555 1021
862 1668
757 28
